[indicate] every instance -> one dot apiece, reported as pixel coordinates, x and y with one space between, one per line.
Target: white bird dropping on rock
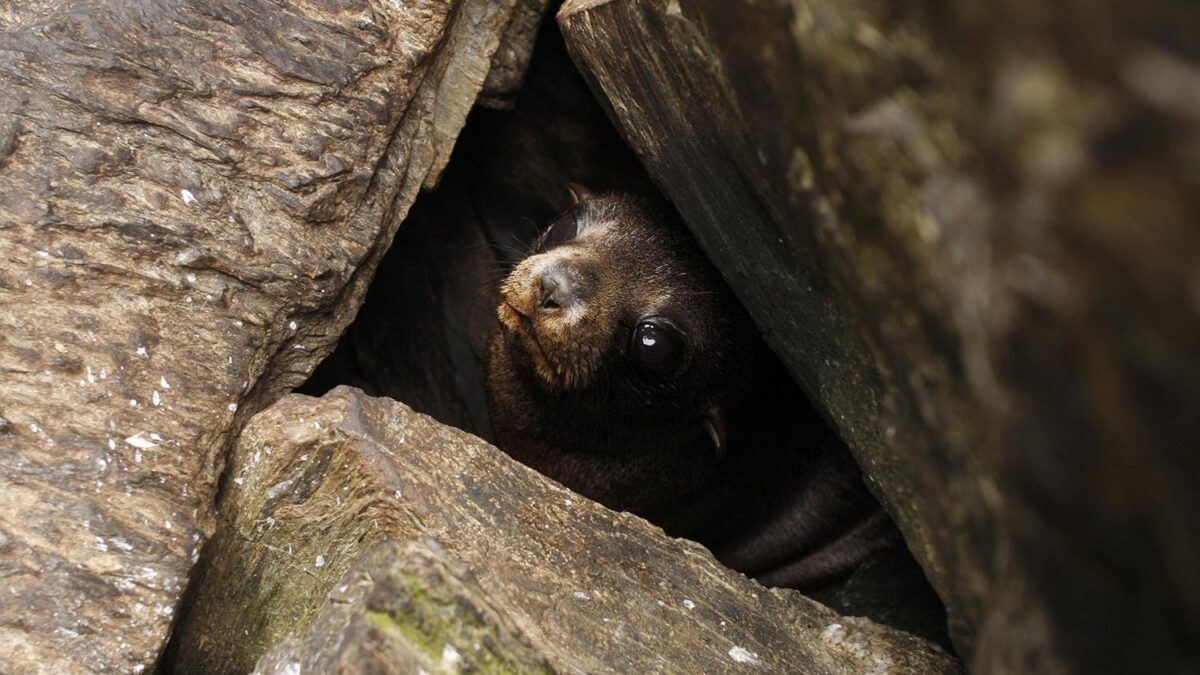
742 655
137 441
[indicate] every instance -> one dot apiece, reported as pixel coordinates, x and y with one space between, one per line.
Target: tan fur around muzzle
565 344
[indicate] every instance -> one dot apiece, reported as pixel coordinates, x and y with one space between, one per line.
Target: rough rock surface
405 609
971 230
193 197
316 482
511 60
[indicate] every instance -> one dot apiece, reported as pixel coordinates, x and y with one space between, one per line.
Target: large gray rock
971 231
554 578
193 197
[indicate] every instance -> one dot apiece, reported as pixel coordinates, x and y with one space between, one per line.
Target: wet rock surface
316 483
971 233
193 198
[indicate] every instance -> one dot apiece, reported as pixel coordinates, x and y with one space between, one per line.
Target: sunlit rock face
193 198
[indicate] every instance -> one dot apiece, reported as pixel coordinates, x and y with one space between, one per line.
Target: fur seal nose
558 290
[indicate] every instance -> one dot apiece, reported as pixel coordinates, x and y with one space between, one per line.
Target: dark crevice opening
420 335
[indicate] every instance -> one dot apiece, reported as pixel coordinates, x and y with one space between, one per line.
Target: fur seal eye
655 345
563 230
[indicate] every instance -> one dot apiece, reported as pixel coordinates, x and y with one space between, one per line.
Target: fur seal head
618 313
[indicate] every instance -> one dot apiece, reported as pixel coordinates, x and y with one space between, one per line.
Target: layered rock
405 609
971 232
523 571
193 198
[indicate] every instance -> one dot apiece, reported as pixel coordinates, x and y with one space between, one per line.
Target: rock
939 217
404 609
511 60
315 483
193 198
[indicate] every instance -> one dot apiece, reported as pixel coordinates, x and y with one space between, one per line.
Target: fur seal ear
579 193
714 424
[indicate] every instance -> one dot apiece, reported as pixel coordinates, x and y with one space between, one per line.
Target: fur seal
624 368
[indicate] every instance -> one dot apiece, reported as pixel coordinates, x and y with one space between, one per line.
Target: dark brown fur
780 499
